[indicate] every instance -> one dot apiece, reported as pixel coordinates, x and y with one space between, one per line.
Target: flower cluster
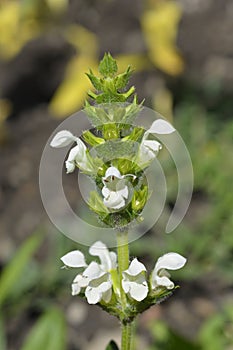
98 280
119 191
116 153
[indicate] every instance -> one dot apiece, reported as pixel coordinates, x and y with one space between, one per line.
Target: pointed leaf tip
112 346
108 66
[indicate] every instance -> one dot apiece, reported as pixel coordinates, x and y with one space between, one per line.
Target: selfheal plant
115 155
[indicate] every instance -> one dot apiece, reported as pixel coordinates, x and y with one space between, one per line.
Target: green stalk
123 260
127 333
123 264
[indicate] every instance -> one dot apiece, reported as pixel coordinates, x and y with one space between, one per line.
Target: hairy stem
123 260
127 333
127 329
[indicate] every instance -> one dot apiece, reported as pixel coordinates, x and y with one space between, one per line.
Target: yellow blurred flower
160 27
15 30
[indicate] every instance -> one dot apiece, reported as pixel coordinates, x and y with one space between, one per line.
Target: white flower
159 276
134 281
96 278
108 259
148 150
115 190
62 139
78 155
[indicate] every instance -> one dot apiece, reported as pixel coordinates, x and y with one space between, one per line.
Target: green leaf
123 79
48 333
15 269
97 205
96 82
108 66
112 346
91 139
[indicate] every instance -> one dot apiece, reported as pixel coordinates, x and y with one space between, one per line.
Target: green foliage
15 270
164 338
216 332
121 113
48 333
140 198
109 85
205 235
108 66
112 346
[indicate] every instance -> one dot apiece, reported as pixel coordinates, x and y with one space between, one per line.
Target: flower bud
139 199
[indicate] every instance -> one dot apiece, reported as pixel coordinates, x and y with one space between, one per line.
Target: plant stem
123 260
127 336
123 264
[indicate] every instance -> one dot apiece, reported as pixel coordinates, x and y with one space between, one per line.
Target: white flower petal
77 153
78 283
114 201
163 281
108 260
135 290
106 192
70 166
113 257
62 139
93 271
124 192
97 288
97 248
78 156
75 288
104 287
106 296
148 150
81 280
135 268
160 126
92 295
74 259
112 171
170 261
155 146
126 285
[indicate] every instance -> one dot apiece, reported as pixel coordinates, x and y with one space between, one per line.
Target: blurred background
182 54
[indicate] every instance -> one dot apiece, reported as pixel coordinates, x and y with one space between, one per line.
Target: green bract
110 83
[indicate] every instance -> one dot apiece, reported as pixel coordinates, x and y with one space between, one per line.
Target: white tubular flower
78 154
134 281
96 278
170 261
115 190
99 287
62 139
148 150
108 259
